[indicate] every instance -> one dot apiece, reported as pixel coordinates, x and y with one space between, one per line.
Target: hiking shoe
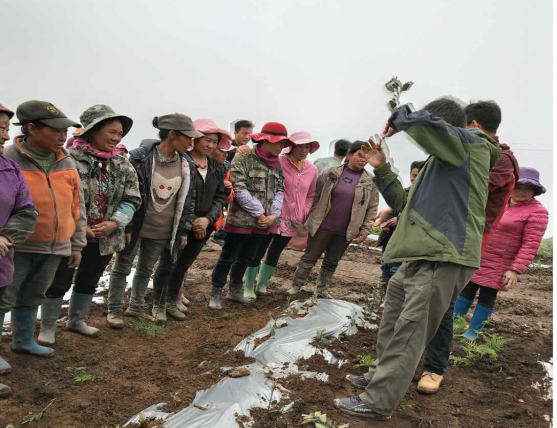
355 406
185 300
159 314
181 307
140 312
174 312
429 383
359 381
115 319
5 391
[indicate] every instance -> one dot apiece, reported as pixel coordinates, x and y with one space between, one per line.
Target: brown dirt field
134 371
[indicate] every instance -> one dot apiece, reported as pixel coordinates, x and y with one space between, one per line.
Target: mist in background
318 66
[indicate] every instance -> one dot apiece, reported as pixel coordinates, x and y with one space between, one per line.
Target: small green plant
228 314
396 88
84 377
143 422
322 341
365 361
273 328
149 327
321 420
486 345
405 404
32 417
459 326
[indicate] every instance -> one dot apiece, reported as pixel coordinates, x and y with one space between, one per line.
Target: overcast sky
315 65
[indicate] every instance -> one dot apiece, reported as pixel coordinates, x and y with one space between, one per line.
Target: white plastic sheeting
291 339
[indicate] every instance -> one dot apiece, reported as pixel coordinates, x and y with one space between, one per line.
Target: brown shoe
429 383
115 319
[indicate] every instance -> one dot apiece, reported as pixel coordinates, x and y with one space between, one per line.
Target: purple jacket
17 214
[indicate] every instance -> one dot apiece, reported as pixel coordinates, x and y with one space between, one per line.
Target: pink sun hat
299 138
207 126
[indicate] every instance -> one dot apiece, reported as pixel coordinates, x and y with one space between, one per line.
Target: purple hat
530 177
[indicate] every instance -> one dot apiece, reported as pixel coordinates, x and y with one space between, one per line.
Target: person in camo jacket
51 175
17 220
111 193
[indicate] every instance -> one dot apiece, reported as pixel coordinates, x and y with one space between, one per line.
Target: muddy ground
134 370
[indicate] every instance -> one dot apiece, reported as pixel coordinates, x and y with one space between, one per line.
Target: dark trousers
220 234
89 272
387 271
331 244
169 276
238 251
438 349
487 295
276 245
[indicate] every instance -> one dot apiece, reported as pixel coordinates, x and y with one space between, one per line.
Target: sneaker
359 381
115 319
174 312
159 314
139 312
429 383
355 406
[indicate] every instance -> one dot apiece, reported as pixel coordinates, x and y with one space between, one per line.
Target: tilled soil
134 370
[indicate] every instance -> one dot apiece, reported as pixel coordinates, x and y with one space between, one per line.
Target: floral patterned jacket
121 198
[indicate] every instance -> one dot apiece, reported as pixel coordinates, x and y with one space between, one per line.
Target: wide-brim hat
44 112
300 138
7 111
122 146
530 177
273 132
99 113
207 126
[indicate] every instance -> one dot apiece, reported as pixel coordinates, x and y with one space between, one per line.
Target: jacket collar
336 172
62 154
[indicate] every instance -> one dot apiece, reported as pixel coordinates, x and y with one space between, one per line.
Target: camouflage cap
177 122
97 114
43 112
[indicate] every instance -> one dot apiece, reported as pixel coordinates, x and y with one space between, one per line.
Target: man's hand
89 234
510 279
102 230
200 224
128 238
183 241
227 184
245 150
75 259
373 153
200 235
389 223
382 217
360 239
5 245
266 222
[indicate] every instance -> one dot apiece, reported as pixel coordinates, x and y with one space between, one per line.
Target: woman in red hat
258 195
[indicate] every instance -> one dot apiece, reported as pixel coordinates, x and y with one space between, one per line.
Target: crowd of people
469 223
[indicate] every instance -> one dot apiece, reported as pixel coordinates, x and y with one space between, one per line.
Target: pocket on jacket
257 180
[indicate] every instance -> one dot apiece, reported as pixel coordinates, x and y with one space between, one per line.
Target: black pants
169 276
238 251
438 349
276 245
487 295
89 272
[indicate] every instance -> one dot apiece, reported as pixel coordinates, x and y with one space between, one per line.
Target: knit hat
531 177
207 126
273 132
302 137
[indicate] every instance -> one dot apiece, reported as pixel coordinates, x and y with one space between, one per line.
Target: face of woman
107 138
180 142
219 156
204 146
301 152
522 193
356 161
272 149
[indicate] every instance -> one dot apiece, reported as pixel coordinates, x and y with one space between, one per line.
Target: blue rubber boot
461 307
4 366
23 329
481 314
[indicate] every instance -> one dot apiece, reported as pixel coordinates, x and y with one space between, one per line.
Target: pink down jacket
299 190
514 245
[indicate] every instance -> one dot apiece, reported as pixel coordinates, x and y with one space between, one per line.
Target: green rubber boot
249 282
265 274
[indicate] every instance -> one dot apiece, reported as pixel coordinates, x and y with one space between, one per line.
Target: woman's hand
265 222
244 150
360 238
200 224
227 184
510 279
102 230
89 234
5 245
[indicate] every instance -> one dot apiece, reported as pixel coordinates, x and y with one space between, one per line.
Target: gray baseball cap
177 122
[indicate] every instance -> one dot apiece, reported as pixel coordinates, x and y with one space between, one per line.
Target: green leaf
31 418
407 86
392 105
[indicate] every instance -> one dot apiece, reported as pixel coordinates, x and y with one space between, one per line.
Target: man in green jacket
437 240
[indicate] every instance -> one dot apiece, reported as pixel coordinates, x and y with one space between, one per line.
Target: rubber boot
180 304
300 277
23 328
323 283
4 366
79 306
249 282
481 314
265 274
461 307
159 313
236 294
50 312
216 294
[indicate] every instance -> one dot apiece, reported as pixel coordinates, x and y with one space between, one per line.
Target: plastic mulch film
289 339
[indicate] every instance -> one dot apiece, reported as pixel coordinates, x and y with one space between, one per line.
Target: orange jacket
58 197
227 201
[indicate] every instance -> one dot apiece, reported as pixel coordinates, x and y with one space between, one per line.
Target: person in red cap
258 194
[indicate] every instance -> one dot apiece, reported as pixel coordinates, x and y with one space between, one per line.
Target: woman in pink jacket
511 250
300 178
